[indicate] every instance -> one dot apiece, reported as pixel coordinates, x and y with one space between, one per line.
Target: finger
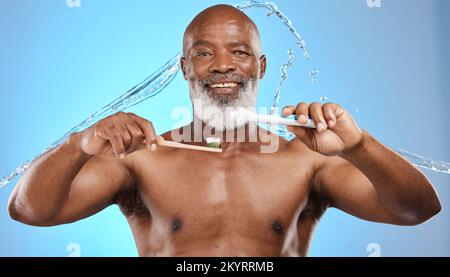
115 138
147 127
329 111
288 110
302 112
137 136
315 111
304 134
125 134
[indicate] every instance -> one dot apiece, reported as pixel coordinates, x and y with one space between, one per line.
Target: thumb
303 134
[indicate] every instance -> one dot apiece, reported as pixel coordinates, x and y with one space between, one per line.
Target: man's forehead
219 21
232 30
223 24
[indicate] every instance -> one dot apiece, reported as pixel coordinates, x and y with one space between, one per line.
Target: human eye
240 53
203 54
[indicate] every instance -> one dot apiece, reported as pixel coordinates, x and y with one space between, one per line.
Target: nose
222 63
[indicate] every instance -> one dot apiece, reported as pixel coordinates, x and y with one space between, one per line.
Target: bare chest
246 195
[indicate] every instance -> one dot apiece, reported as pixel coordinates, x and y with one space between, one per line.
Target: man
240 202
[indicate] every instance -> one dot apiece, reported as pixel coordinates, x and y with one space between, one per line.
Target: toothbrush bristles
213 145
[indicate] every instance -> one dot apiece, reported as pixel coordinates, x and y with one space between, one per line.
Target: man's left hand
335 131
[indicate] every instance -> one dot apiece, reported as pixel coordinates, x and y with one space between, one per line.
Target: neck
246 136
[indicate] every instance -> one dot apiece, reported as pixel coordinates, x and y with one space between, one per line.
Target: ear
183 67
262 66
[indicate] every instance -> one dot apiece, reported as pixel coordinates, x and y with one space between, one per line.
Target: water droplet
301 44
313 74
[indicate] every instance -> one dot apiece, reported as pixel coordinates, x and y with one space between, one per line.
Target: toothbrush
274 119
212 145
289 120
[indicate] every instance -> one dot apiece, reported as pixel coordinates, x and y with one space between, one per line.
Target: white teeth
223 85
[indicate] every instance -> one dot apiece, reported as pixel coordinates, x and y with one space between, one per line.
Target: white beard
219 111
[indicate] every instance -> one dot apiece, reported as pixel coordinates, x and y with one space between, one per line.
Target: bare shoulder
298 148
318 162
142 164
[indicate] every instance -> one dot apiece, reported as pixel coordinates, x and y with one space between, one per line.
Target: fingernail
331 123
320 126
122 156
302 118
153 147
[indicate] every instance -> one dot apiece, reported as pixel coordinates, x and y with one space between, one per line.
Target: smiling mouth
224 87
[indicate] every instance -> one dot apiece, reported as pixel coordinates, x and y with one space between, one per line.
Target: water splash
423 162
284 75
156 82
273 9
275 110
148 88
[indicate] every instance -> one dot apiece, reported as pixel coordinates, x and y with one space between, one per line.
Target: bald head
227 18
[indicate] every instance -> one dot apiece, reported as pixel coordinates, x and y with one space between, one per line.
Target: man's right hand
118 134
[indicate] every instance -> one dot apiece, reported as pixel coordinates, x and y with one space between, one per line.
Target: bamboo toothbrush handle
163 142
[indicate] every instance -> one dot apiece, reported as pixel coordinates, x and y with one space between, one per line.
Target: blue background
387 66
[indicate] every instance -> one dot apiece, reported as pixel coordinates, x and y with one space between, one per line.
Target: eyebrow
239 43
200 42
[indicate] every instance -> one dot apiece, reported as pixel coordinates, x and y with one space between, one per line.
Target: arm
80 177
358 174
66 185
374 183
